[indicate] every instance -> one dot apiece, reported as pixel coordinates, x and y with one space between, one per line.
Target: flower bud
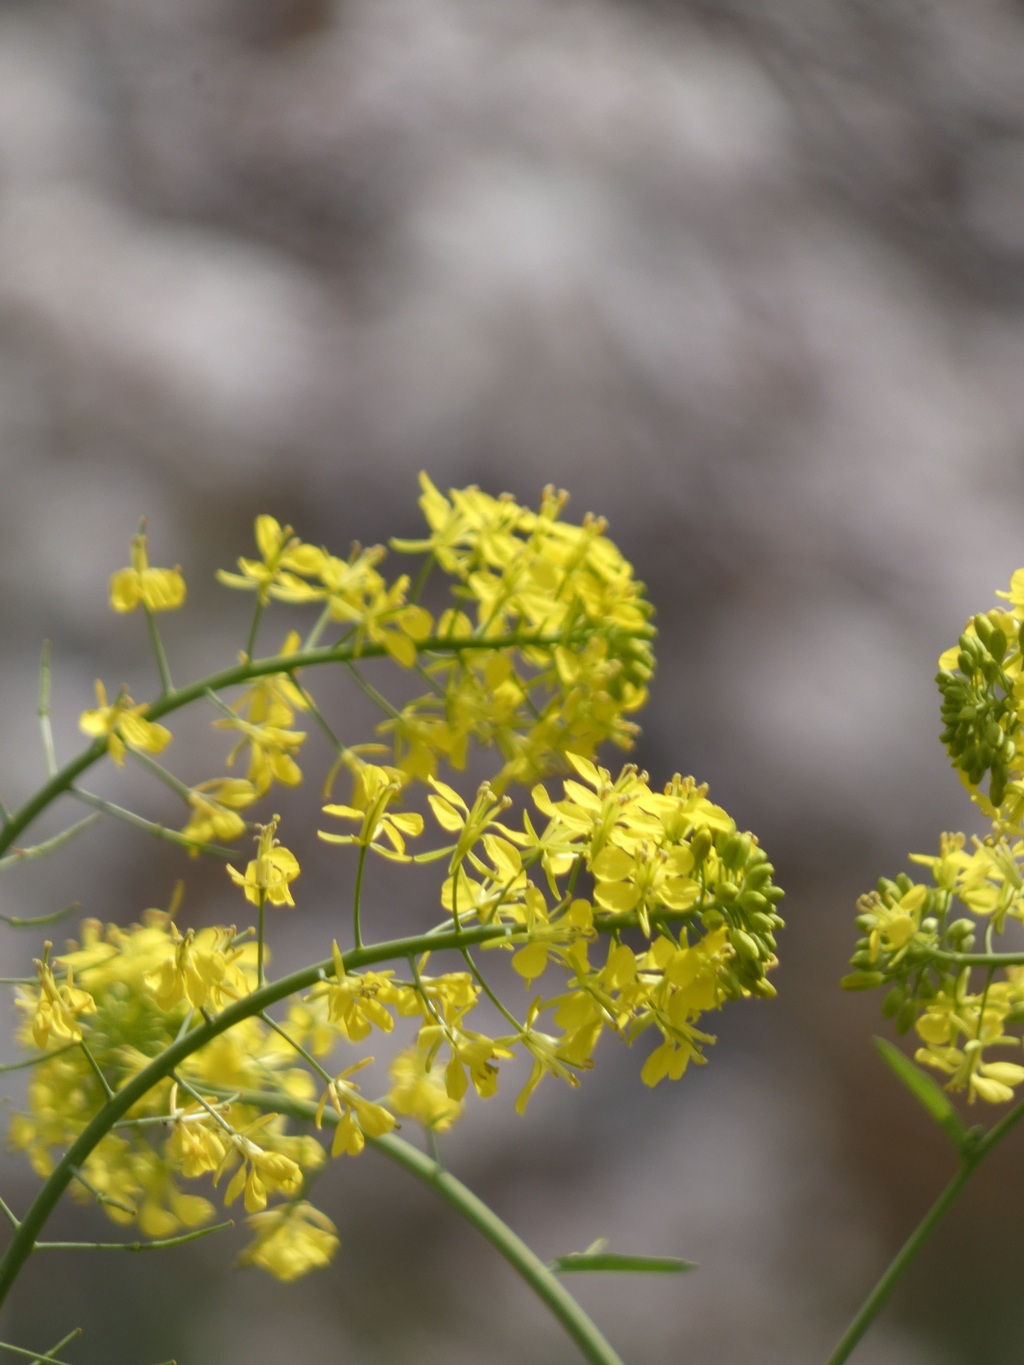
892 1002
906 1015
700 845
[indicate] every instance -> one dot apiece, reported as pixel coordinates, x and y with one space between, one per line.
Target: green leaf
657 1265
929 1095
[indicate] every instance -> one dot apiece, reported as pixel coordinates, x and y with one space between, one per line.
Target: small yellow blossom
374 789
268 876
204 970
419 1091
291 1240
57 1008
156 589
281 552
356 1001
215 806
123 723
260 1170
357 1116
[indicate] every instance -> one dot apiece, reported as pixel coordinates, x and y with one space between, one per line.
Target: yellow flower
156 589
374 789
204 970
357 1116
291 1240
214 810
197 1143
123 723
548 1057
419 1091
57 1007
281 552
644 880
356 1001
274 699
469 823
260 1170
268 876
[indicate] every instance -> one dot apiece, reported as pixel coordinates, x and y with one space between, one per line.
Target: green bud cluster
633 652
744 900
980 726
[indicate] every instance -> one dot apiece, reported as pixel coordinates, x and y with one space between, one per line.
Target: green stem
45 729
33 1356
421 578
978 959
378 699
77 1332
161 773
150 826
532 1269
260 974
158 650
322 621
356 928
62 780
257 613
48 846
970 1160
159 1245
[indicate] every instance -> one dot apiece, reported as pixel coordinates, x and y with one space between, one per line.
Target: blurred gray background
748 279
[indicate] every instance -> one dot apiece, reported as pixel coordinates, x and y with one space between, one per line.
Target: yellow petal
125 590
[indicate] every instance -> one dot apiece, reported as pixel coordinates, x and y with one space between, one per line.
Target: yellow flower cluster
561 630
982 688
669 865
916 940
126 994
913 940
547 652
567 599
647 908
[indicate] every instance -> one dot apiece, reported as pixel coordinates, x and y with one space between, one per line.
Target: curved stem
525 1261
357 896
62 781
21 1244
971 1158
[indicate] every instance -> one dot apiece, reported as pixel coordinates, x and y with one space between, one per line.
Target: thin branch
14 1222
42 1056
971 1159
525 1261
20 922
98 1195
96 1068
322 622
325 1075
159 771
357 896
261 976
34 1356
158 650
157 1245
342 652
77 1332
370 691
254 628
150 827
48 846
43 711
